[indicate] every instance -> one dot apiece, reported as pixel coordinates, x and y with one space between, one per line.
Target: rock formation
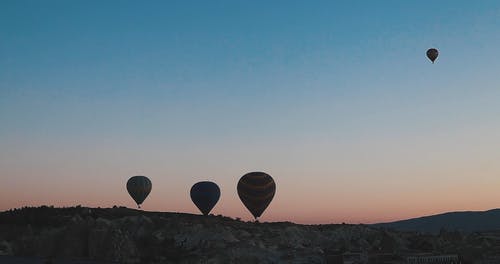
130 236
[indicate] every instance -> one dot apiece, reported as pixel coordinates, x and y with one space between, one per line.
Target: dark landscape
122 235
462 221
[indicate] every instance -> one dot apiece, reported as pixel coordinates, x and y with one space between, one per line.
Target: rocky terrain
123 235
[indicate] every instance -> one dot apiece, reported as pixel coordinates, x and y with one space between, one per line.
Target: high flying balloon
205 196
139 188
432 54
256 191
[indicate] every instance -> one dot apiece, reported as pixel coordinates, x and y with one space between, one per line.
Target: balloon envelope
256 191
139 188
205 196
432 54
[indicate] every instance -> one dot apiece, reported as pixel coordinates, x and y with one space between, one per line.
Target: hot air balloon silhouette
432 54
205 196
256 191
139 188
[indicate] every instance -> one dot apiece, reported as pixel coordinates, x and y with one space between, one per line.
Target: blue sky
329 93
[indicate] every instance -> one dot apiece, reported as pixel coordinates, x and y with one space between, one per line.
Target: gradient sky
335 99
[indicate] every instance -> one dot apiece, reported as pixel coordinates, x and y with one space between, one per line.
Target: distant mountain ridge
467 221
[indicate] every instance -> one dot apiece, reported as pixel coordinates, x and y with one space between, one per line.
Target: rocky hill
123 235
463 221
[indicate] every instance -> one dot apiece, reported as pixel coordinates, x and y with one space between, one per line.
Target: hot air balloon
256 191
139 188
432 54
205 195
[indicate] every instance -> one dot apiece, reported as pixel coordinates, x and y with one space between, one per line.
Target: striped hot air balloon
139 188
256 191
